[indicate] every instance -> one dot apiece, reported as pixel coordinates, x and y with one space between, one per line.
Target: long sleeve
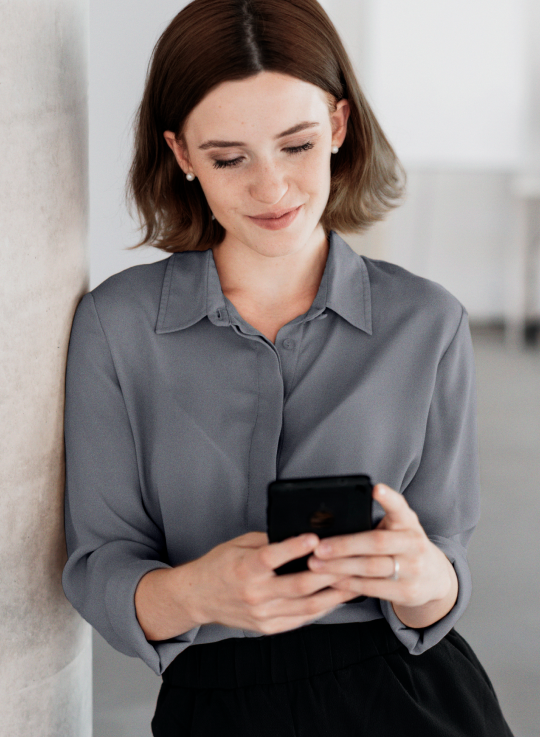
445 490
111 539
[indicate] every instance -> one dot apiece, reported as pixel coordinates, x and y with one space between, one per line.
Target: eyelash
221 164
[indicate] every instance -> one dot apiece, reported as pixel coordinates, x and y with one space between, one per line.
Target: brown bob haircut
214 41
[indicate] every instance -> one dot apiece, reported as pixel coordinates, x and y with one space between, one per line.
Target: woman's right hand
234 584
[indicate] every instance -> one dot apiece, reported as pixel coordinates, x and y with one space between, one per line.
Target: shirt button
287 343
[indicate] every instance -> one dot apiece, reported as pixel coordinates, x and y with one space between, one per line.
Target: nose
268 184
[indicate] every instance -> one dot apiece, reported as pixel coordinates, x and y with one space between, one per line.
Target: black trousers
328 680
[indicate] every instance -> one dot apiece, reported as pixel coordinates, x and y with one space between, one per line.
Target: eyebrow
225 144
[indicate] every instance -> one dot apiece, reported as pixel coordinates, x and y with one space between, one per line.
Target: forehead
265 104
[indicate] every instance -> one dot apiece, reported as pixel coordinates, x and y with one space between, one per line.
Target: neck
271 278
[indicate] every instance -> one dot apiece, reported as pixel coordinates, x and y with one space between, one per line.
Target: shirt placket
276 368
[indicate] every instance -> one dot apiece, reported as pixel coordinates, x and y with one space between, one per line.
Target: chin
273 242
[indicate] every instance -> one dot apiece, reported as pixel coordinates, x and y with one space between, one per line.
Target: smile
273 223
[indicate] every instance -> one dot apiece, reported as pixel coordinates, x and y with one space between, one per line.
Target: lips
273 215
275 220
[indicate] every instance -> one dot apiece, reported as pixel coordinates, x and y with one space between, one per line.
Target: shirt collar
191 289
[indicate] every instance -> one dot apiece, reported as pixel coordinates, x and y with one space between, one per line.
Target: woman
264 347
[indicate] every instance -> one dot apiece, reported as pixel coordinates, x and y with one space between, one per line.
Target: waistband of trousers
282 657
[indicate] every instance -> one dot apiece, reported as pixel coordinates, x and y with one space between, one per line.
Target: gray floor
502 620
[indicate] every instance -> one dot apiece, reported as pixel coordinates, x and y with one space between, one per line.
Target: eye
297 149
221 164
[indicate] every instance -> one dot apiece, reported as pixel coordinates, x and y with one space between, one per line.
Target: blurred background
456 87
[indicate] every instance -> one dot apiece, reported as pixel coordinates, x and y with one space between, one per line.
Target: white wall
448 80
122 35
452 83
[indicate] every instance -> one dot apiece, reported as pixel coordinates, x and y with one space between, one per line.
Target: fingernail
381 489
317 563
309 540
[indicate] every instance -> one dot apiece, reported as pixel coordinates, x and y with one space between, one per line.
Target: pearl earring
190 176
335 149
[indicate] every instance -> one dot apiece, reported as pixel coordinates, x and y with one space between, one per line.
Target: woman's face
234 144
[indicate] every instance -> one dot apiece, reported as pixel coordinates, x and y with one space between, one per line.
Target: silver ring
394 576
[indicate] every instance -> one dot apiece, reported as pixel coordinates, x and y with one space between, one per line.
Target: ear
339 120
179 150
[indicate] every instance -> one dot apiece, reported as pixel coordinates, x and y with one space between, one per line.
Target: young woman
264 347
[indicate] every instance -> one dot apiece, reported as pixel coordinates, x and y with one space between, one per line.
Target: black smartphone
325 505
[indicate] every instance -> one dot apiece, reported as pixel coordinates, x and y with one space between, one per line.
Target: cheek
221 195
316 177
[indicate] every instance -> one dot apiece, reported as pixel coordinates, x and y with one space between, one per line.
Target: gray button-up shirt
179 413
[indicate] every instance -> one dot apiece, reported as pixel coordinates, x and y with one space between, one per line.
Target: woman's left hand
425 573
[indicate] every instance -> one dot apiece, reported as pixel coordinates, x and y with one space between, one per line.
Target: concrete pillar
45 647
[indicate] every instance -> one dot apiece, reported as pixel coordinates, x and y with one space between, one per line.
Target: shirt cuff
120 606
418 641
